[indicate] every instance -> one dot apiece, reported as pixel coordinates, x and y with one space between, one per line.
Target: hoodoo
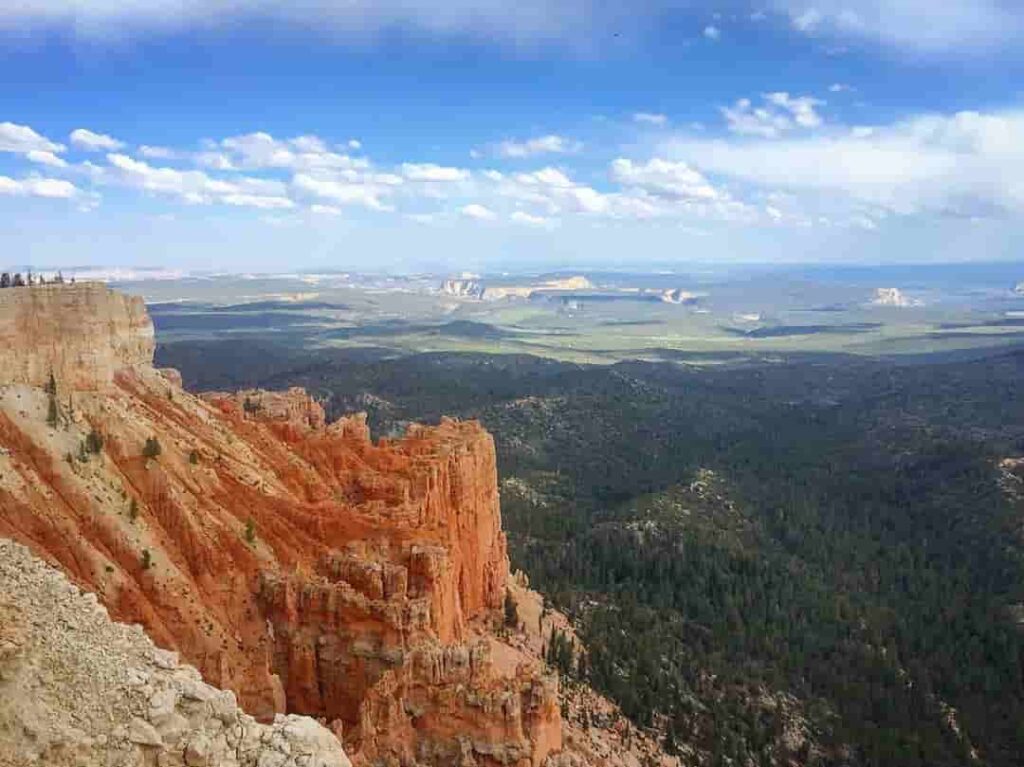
297 563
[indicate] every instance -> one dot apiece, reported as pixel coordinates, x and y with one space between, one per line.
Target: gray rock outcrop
78 690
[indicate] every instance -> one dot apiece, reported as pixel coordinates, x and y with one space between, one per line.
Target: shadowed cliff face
294 562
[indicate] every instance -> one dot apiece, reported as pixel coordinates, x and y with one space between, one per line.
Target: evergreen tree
152 448
511 611
250 530
5 280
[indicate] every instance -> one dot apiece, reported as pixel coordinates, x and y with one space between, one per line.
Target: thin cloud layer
920 25
917 25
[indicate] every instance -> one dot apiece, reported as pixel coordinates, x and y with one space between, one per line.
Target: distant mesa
467 286
893 297
462 288
678 296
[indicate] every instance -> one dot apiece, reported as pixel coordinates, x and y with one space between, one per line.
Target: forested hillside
810 562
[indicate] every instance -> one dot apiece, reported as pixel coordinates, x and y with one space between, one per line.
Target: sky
406 135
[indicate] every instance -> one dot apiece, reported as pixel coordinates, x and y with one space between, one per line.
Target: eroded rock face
294 562
81 334
79 690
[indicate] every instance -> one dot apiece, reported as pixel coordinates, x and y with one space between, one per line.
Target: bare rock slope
78 689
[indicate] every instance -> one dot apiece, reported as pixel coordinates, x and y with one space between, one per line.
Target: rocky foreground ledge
78 689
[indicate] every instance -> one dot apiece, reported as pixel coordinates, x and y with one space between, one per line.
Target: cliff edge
297 563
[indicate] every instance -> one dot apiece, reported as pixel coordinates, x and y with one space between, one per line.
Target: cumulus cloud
801 108
341 191
550 144
478 212
964 164
780 112
258 151
650 118
158 153
94 142
712 32
194 187
45 158
431 172
37 187
662 178
21 139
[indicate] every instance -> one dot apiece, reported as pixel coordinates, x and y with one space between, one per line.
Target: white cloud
650 118
45 158
21 139
431 172
780 112
193 187
553 192
325 210
260 151
213 161
550 144
158 153
546 177
526 219
965 164
663 178
743 118
478 212
341 191
257 201
502 20
807 19
37 187
355 144
840 88
923 25
954 25
94 142
802 108
712 32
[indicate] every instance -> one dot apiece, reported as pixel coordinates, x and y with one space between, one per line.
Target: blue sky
259 135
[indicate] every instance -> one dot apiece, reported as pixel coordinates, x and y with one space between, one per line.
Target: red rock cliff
295 562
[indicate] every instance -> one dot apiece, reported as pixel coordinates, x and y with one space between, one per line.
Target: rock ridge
296 562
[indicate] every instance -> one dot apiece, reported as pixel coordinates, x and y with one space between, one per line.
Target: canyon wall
80 334
298 563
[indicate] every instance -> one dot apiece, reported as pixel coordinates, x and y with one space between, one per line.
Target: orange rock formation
293 561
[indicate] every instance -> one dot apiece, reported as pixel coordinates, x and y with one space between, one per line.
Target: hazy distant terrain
712 316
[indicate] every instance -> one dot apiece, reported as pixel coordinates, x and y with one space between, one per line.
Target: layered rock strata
297 563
